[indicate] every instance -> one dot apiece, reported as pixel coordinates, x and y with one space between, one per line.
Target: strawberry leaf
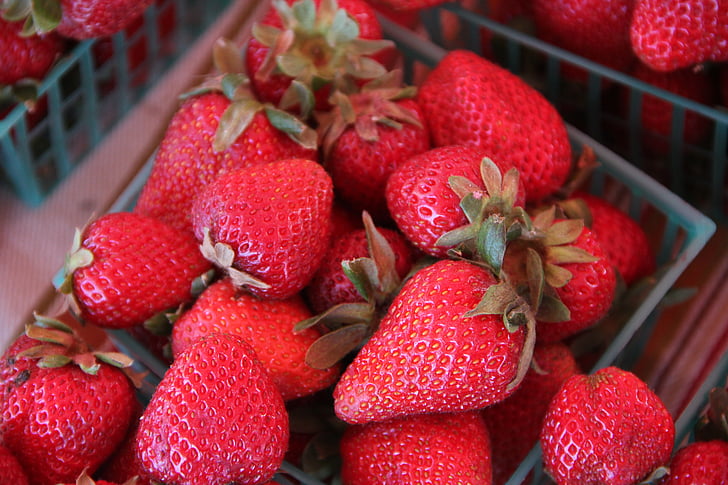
491 242
305 14
363 274
552 310
15 11
456 236
54 361
331 347
226 56
294 127
556 276
343 28
563 232
569 254
116 359
339 315
234 121
298 94
491 175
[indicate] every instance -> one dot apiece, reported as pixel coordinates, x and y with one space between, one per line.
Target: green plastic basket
696 172
91 89
679 233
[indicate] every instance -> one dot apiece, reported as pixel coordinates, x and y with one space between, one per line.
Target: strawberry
421 200
28 57
124 464
366 136
188 157
657 114
596 30
467 99
68 411
608 427
575 269
628 249
673 35
301 49
269 225
125 268
407 6
514 424
429 355
267 325
330 285
10 468
85 479
704 462
77 19
428 448
216 417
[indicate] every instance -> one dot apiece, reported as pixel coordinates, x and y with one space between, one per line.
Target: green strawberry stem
40 16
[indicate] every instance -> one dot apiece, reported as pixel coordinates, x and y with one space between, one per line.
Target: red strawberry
270 221
125 268
704 462
67 416
216 417
467 99
428 448
124 464
307 41
267 325
188 158
607 428
657 114
330 285
575 269
26 57
430 355
408 5
514 424
628 249
366 136
596 30
10 468
85 479
672 35
421 200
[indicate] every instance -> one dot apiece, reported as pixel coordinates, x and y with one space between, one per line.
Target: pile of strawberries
376 282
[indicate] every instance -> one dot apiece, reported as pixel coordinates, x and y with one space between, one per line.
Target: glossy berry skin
627 248
420 199
140 267
277 219
61 417
596 30
28 57
185 161
124 463
330 286
272 89
607 428
515 423
467 99
427 448
87 19
267 325
704 462
426 357
360 168
10 468
682 33
216 417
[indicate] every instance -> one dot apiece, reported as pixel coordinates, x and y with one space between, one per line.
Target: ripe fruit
514 424
267 325
216 417
607 428
429 355
26 57
10 468
125 268
704 462
428 448
271 222
421 200
188 158
467 99
61 406
672 35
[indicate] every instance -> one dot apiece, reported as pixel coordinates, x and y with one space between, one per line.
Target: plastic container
89 90
606 106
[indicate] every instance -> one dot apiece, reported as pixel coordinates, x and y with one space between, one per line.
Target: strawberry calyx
85 479
38 17
494 219
713 423
60 345
376 279
374 103
235 85
316 48
223 256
